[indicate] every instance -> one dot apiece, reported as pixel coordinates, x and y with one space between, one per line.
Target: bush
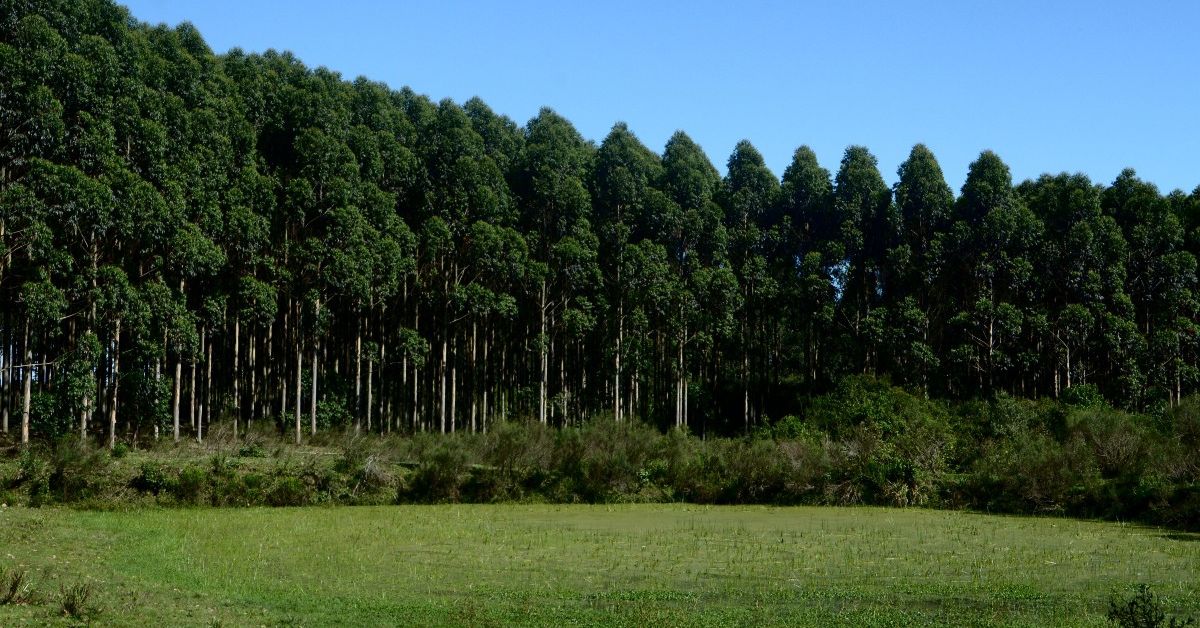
252 449
440 477
1143 610
76 602
15 587
34 473
152 477
1033 472
119 450
189 488
288 490
76 470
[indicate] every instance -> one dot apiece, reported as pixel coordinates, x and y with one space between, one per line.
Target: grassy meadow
585 565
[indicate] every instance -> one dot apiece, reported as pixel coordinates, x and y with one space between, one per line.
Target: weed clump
75 601
15 587
1143 610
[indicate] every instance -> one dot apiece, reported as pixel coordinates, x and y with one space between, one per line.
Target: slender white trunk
315 367
207 405
116 372
175 398
252 389
543 349
299 383
358 378
370 391
237 397
192 390
442 408
617 366
28 385
483 418
313 393
474 376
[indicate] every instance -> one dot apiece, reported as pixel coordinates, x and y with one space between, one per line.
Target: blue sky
1087 87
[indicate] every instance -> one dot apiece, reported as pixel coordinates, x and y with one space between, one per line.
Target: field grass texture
585 565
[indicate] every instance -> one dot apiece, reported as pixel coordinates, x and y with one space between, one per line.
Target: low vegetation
866 443
626 564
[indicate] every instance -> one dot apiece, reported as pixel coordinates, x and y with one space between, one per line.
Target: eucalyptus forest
187 238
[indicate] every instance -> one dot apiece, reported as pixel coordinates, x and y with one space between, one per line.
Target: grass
587 565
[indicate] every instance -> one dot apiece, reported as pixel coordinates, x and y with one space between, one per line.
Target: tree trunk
315 367
207 405
28 386
299 384
237 399
454 387
442 408
9 355
483 418
358 376
116 371
474 375
543 351
617 360
313 392
252 389
192 389
175 397
370 391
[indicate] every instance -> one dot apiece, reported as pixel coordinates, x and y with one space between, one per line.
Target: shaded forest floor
536 564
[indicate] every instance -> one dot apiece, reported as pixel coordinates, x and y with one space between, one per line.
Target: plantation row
188 237
864 443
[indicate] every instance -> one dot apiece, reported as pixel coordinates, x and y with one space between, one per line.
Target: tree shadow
1182 536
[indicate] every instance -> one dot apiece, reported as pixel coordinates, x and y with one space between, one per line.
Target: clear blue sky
1087 87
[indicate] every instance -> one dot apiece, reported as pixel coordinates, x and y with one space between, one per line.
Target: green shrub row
865 443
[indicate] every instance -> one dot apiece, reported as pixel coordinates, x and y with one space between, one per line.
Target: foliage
76 602
15 587
192 238
1143 610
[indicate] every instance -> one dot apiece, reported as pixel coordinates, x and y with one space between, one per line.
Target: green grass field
646 565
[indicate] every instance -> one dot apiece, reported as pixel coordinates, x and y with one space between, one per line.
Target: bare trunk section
315 368
370 390
28 386
299 384
175 398
442 408
116 371
237 399
543 351
207 404
358 377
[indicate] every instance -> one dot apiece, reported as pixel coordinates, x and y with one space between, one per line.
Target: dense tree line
188 237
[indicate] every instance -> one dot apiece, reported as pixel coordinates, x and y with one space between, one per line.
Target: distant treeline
187 237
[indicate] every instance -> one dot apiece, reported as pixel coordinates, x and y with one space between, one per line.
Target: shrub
152 477
76 470
252 449
440 476
15 587
755 471
34 473
1118 440
1143 610
119 450
76 602
189 488
1184 421
1036 473
288 490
